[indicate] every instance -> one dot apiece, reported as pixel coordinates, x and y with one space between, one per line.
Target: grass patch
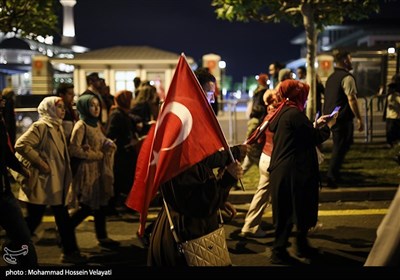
365 165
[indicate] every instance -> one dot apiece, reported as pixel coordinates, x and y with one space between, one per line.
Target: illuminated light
316 64
79 49
49 40
391 50
40 39
325 64
222 64
257 77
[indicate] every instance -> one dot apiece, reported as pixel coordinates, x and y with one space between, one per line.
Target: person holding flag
179 155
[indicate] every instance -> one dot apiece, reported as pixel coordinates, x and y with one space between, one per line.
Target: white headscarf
47 111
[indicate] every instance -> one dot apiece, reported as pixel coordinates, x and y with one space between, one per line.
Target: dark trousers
342 135
18 235
99 219
65 229
392 131
282 234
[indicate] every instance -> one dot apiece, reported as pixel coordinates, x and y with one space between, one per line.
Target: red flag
186 132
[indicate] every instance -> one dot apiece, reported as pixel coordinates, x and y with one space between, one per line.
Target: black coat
294 171
122 129
193 196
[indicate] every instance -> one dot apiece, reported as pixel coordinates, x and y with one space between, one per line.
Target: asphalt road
345 235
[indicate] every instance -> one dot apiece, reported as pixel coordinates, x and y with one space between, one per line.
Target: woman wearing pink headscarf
294 173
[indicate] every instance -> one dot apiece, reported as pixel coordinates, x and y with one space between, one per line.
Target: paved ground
344 237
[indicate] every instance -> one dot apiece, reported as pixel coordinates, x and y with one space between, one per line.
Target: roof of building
14 43
128 53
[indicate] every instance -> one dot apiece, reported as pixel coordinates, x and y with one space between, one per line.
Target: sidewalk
330 195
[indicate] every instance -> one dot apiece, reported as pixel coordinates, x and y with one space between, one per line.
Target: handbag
75 162
27 184
207 250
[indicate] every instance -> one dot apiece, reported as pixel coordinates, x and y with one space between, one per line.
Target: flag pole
215 118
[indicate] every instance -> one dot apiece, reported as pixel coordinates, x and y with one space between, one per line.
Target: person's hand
235 169
44 167
139 126
360 125
326 120
85 147
25 172
229 209
109 145
244 148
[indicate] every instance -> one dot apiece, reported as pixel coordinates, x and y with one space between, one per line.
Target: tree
28 18
312 14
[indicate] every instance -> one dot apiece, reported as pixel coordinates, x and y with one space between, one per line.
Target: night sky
188 26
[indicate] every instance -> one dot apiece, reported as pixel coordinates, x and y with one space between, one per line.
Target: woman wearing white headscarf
44 146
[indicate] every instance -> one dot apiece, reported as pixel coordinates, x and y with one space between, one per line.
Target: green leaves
325 12
28 17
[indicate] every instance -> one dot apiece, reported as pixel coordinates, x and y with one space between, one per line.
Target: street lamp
222 66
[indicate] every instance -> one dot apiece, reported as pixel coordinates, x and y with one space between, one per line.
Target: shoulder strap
172 227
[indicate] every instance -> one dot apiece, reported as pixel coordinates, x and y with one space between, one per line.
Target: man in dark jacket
341 90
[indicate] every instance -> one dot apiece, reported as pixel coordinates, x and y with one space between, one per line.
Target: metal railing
228 118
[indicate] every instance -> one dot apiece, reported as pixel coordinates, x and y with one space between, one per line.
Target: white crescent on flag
184 115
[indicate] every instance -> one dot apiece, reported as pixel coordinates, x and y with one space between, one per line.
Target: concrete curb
330 195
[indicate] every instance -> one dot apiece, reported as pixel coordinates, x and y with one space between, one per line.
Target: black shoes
144 240
307 252
397 159
282 258
108 243
74 258
331 184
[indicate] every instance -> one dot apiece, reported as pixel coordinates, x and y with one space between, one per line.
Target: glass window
124 80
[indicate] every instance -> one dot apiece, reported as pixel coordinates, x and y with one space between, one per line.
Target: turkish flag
186 132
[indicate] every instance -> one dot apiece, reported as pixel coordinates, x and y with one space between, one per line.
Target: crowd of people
105 134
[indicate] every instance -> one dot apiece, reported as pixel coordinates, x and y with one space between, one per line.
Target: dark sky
188 26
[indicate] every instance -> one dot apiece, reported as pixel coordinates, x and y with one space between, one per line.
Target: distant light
40 39
49 40
222 64
257 77
391 50
79 49
316 64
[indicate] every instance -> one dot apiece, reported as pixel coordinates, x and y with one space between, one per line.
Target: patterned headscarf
47 111
83 106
